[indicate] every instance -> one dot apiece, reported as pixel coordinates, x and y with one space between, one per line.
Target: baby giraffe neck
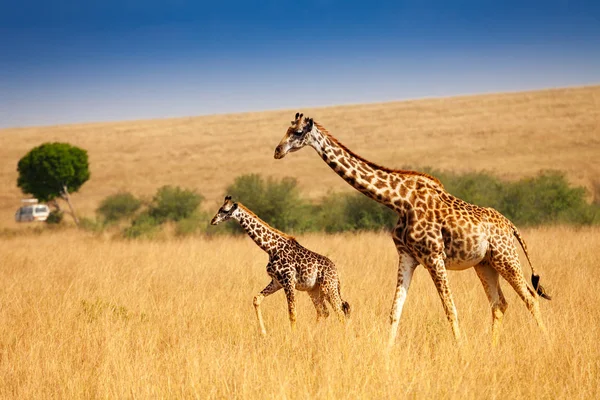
265 236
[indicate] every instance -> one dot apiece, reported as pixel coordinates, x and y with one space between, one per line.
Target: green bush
545 199
353 212
478 188
144 225
197 222
367 214
174 204
91 225
118 206
55 217
277 202
331 215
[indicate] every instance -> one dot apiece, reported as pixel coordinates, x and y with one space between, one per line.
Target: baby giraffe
291 266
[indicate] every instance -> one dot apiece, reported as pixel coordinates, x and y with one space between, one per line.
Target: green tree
53 170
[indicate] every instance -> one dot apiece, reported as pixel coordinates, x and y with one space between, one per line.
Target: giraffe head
296 137
225 212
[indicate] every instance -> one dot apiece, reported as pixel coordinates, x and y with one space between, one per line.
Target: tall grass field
89 317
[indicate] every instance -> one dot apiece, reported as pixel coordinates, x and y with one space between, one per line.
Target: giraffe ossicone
291 266
434 228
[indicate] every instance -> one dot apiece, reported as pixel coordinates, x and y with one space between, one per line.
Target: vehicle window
40 209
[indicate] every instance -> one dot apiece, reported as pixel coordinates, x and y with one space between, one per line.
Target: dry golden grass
88 317
511 135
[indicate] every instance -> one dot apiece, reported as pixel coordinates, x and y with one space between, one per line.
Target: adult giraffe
434 229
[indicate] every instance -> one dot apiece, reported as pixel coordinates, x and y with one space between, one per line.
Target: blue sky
78 61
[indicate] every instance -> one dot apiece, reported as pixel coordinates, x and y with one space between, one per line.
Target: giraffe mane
372 164
253 215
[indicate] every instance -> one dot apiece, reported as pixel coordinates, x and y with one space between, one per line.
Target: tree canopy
47 170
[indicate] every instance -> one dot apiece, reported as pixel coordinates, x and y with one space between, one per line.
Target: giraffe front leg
290 294
268 290
406 267
438 273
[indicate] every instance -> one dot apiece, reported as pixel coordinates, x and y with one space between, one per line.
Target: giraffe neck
266 237
383 185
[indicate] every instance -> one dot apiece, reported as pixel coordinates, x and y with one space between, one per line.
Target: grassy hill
510 134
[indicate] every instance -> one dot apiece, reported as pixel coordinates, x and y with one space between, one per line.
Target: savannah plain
94 316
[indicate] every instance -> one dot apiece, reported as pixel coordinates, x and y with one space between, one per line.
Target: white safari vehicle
32 211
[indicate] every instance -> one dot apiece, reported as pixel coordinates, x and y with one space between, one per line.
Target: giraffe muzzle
279 153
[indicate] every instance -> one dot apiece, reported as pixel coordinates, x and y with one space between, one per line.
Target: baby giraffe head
225 212
296 137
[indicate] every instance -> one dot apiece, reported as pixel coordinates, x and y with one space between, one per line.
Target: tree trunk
67 198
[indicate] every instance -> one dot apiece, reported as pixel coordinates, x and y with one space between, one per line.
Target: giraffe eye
298 133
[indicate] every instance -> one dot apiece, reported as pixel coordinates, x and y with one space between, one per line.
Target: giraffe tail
535 279
345 304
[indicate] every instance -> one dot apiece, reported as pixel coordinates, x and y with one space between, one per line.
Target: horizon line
352 104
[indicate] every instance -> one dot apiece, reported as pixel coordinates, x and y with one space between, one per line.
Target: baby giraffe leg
270 289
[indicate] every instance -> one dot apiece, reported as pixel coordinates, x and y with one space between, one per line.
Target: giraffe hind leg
336 303
510 269
489 278
318 300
